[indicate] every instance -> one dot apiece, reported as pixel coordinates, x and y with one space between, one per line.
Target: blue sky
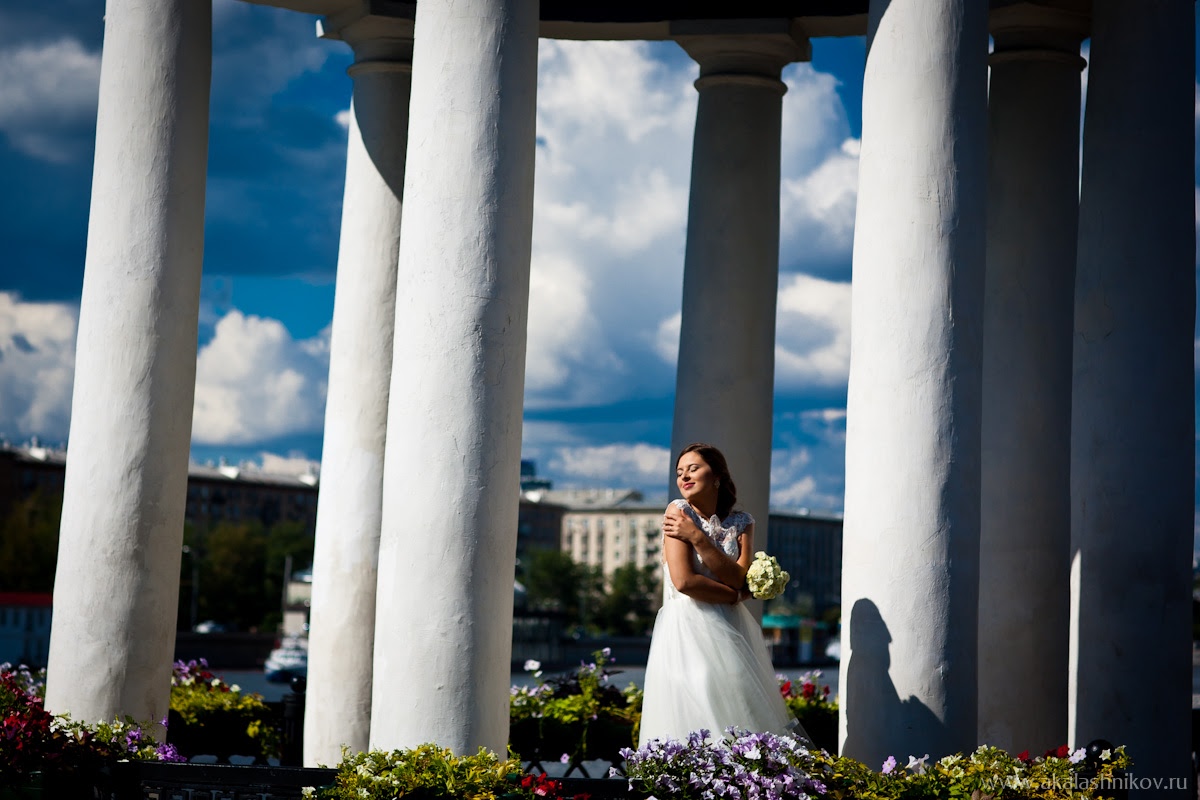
615 123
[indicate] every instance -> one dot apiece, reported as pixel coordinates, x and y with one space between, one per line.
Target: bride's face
694 477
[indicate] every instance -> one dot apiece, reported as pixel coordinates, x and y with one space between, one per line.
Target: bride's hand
677 525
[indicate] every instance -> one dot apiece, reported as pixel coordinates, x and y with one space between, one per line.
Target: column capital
1031 31
380 34
746 52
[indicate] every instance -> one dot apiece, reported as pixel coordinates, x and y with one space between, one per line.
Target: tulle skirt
708 669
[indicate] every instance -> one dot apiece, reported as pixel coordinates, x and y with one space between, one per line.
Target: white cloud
254 382
293 464
615 127
342 118
809 471
792 485
666 338
812 333
636 464
260 50
37 367
817 209
48 95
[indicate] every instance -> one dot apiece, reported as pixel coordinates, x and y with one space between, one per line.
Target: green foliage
232 571
29 543
627 608
580 716
241 570
211 717
557 583
989 773
427 771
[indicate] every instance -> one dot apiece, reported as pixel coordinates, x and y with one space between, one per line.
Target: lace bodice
723 534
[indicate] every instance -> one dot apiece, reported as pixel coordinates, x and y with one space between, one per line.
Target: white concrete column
443 633
1132 437
911 540
345 561
725 378
117 583
1029 298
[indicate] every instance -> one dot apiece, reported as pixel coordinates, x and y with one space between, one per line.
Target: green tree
29 543
628 607
233 558
283 540
241 571
555 582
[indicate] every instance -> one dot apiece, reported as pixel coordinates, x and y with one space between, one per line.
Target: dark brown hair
727 491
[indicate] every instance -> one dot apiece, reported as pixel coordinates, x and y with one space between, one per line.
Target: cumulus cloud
615 127
254 382
812 333
48 94
37 366
294 464
637 464
809 471
817 211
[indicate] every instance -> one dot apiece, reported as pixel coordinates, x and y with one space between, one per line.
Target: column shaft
117 583
725 379
911 541
1133 411
443 633
345 561
1033 192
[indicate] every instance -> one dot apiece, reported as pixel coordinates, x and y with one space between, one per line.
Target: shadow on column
879 724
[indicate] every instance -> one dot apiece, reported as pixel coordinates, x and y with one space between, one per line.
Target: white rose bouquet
765 577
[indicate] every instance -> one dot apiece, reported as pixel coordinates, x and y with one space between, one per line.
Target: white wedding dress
708 666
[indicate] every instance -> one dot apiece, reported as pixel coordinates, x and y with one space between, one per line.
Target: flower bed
50 755
747 766
810 702
574 718
213 718
429 772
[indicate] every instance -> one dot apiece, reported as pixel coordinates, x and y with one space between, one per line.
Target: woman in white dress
708 666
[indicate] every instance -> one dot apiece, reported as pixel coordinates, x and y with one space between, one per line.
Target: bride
708 666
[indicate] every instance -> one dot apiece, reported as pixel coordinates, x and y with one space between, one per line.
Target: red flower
1023 756
785 688
809 690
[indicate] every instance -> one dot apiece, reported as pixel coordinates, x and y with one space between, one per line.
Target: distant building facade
27 470
232 494
24 628
539 524
609 528
215 494
810 548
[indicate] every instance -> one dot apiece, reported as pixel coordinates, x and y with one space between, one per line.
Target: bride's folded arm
730 572
698 587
